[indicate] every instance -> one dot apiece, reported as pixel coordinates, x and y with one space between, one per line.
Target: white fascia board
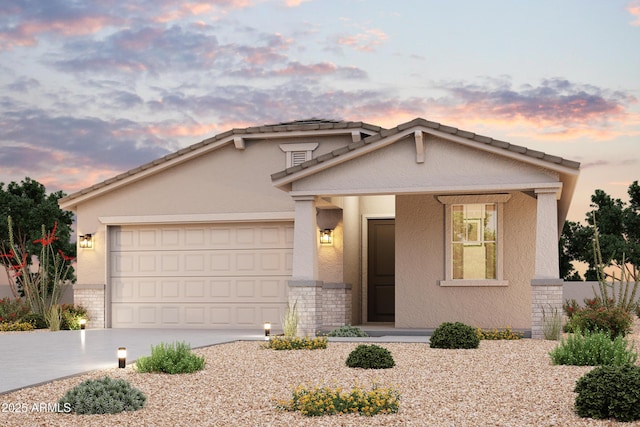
457 189
198 218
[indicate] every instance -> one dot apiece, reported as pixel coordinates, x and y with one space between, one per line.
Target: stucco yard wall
420 264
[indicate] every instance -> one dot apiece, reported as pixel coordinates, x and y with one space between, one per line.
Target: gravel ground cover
502 383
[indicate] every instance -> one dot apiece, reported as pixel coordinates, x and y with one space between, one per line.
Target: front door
381 297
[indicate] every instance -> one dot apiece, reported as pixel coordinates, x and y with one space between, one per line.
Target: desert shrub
103 396
296 343
615 320
327 401
347 331
37 320
15 326
551 324
570 307
71 315
609 392
592 349
290 320
499 334
370 357
12 309
454 335
175 358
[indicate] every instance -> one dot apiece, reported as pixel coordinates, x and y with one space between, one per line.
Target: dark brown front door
381 295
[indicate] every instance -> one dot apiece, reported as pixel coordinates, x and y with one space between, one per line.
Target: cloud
634 9
366 41
555 106
294 3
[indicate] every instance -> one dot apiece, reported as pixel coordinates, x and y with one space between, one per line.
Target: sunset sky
92 88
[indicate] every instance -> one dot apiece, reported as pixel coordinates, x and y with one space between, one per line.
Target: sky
92 88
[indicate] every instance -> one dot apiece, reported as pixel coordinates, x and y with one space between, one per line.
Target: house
415 225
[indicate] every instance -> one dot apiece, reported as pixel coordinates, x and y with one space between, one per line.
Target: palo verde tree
618 235
31 210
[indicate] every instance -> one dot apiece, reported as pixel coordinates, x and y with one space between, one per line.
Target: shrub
570 307
290 320
37 320
615 320
103 396
454 335
175 358
296 343
370 357
609 392
592 349
71 315
12 309
15 326
326 401
499 334
551 324
347 331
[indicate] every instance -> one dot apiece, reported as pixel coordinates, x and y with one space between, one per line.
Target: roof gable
236 136
419 124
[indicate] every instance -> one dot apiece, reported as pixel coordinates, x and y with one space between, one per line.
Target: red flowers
10 255
48 239
65 257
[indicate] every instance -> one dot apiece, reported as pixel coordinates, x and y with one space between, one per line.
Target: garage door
199 276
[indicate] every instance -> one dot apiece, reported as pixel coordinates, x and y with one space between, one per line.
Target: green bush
296 343
609 392
370 357
175 358
615 320
593 349
454 335
37 320
326 401
347 331
499 334
15 326
71 315
103 396
12 309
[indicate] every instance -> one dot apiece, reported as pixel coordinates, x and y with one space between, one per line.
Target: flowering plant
40 285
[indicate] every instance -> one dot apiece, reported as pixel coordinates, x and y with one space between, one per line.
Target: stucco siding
420 300
393 169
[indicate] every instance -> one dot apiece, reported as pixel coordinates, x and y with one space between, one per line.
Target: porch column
546 286
305 290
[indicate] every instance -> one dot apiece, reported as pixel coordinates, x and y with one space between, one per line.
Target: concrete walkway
29 359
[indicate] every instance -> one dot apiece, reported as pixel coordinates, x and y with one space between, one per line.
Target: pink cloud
366 41
634 9
294 3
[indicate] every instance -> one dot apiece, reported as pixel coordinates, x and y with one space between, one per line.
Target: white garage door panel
213 275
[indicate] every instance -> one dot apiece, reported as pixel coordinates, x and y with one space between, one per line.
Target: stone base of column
336 304
546 296
307 295
91 297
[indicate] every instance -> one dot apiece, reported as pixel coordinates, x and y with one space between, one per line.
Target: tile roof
384 133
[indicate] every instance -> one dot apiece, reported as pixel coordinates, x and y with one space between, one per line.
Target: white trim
474 283
198 218
301 146
448 201
466 189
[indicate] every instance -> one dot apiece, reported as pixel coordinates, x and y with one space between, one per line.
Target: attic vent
298 153
298 157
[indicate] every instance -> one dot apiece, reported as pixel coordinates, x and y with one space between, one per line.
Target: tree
619 235
31 209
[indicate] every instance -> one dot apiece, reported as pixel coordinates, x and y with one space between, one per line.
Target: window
298 153
473 240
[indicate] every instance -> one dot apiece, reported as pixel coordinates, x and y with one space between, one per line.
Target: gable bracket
356 136
419 146
239 143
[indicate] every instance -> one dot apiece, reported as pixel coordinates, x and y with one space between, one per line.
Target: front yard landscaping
503 382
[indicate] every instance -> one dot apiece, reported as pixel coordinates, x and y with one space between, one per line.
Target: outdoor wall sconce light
326 237
267 329
122 357
86 241
83 324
